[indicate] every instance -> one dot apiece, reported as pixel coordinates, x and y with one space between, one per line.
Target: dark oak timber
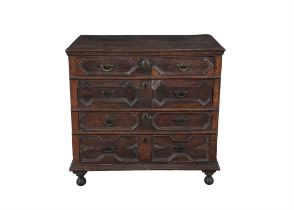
144 103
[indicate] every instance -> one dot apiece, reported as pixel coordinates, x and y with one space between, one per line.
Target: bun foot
81 179
208 179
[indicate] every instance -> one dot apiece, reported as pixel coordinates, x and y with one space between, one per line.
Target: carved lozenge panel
180 148
195 121
108 93
182 93
184 66
105 149
99 121
106 66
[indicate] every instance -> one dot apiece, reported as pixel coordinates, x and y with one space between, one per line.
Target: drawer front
184 66
172 93
106 66
109 149
196 121
99 121
180 148
108 93
182 93
144 121
140 66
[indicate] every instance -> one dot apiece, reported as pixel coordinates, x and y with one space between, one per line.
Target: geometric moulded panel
107 66
109 149
99 121
107 93
185 93
179 149
189 121
184 66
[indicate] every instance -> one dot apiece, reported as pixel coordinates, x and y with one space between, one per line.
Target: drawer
108 66
180 148
108 149
182 93
144 121
183 66
101 121
108 93
172 93
186 121
140 66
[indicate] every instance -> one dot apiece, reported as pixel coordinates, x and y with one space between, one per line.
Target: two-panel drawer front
107 149
144 121
169 93
141 66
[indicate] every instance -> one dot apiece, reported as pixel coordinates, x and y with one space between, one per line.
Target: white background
256 140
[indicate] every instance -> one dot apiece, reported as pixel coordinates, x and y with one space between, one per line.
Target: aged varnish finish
144 103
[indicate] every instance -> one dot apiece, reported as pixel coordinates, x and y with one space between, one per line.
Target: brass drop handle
181 93
108 93
107 67
180 120
183 67
109 149
109 121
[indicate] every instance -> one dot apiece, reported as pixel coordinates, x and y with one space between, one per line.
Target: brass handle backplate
183 67
107 67
108 93
179 149
181 93
109 121
109 149
180 120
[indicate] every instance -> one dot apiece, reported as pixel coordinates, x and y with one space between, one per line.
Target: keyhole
145 85
145 117
145 140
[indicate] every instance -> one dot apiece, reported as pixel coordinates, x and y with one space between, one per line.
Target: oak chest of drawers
144 102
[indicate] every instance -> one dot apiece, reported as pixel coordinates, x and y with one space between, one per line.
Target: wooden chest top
117 44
